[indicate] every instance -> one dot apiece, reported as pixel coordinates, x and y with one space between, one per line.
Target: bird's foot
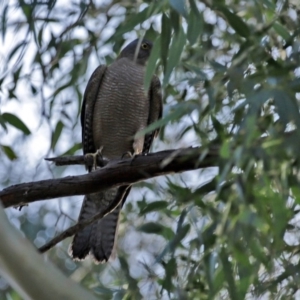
129 154
92 160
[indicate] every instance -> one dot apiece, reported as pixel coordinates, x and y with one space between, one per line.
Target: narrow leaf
175 20
130 23
176 49
165 42
156 228
155 206
15 49
286 107
235 21
56 134
151 227
9 152
176 113
227 268
179 6
282 31
16 122
2 123
151 65
195 23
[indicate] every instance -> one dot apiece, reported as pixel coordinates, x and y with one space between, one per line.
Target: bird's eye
145 46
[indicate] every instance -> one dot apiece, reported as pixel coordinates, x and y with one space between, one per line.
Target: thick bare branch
78 160
174 154
29 273
67 160
115 173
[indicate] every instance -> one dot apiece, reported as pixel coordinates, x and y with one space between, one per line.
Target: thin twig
79 226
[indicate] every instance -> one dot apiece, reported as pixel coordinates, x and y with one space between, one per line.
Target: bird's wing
155 111
87 111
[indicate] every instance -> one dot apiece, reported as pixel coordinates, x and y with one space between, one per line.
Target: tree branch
29 273
78 160
115 173
171 155
67 160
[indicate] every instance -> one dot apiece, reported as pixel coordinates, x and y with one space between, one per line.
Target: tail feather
105 236
99 238
80 246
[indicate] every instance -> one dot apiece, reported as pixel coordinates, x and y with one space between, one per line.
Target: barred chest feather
121 108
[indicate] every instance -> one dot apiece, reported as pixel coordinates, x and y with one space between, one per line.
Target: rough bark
115 173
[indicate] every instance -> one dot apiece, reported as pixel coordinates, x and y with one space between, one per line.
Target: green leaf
176 49
151 65
133 21
16 122
3 123
130 280
295 85
119 295
175 20
217 66
157 228
155 206
56 134
16 74
166 31
286 107
104 292
257 99
206 188
219 128
235 21
195 23
225 151
16 48
173 114
181 233
151 227
196 69
171 271
179 6
27 10
282 31
228 274
9 152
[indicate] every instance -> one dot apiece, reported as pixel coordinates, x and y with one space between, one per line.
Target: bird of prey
115 107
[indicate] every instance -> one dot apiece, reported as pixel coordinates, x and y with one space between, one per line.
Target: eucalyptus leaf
235 21
56 134
175 51
16 122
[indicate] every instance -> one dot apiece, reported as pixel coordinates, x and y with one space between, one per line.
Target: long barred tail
99 238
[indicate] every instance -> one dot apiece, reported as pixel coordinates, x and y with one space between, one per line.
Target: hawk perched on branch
115 107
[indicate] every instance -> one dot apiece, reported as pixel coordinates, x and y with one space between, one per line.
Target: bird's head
138 51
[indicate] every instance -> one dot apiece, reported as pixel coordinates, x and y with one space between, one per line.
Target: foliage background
230 75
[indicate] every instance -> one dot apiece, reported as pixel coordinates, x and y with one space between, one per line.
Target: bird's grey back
122 94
